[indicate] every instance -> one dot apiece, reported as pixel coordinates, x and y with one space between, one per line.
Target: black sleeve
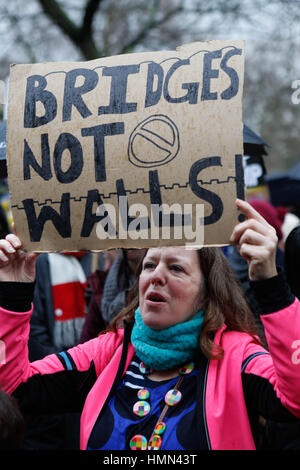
280 429
16 296
60 392
261 399
272 294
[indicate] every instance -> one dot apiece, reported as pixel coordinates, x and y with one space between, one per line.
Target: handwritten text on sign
150 135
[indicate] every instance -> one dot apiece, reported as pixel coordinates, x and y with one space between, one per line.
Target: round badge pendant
138 442
186 369
143 394
160 428
141 408
173 397
155 442
144 369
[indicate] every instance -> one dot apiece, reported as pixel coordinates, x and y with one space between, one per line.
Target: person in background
290 221
94 322
120 279
109 257
59 302
110 290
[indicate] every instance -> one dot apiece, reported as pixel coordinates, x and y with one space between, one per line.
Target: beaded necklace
142 407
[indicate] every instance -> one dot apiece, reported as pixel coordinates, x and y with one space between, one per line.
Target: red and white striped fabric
68 282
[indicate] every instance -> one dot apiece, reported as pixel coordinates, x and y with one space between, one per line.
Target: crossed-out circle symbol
159 135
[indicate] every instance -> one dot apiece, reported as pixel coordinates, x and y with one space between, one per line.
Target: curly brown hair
222 301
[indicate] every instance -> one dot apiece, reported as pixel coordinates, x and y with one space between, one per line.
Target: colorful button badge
138 442
155 442
141 408
143 394
144 369
173 397
187 369
160 428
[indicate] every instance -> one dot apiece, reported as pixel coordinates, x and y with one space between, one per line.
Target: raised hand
16 265
257 241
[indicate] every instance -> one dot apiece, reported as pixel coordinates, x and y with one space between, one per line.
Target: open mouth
155 297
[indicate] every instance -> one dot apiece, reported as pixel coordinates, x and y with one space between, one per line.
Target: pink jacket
226 415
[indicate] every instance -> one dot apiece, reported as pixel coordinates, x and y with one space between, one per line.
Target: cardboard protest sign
135 150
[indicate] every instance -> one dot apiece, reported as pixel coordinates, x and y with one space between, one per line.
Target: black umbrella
284 187
253 143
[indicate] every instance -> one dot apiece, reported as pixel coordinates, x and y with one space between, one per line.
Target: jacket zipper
203 408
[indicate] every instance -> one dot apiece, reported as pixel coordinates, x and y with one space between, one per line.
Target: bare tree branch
91 8
81 36
151 24
53 10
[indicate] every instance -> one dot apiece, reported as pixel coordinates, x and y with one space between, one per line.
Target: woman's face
169 286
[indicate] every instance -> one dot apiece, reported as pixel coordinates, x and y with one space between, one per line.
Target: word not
68 142
156 86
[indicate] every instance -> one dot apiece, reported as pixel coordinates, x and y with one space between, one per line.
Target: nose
158 275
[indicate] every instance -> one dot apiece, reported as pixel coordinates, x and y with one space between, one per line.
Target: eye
176 268
148 265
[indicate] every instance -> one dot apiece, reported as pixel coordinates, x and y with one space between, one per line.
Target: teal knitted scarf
167 348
